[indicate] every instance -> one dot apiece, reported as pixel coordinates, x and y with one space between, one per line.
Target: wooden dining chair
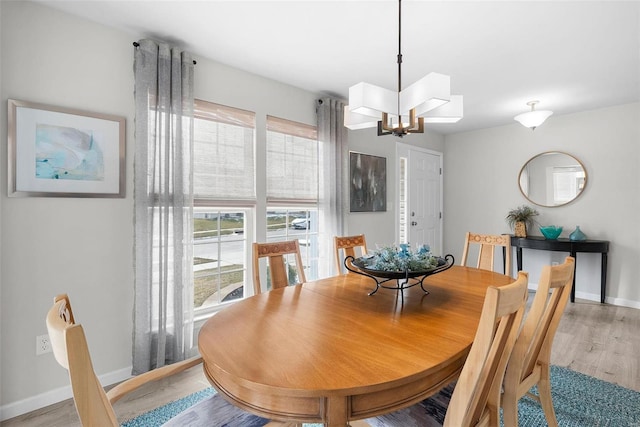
475 400
93 404
488 244
530 361
348 245
278 267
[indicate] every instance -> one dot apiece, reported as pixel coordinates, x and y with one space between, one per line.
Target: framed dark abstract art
367 183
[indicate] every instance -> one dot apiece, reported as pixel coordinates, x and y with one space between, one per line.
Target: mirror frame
586 178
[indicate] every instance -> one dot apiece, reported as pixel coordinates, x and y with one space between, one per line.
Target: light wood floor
598 340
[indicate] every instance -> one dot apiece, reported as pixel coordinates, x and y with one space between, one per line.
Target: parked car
301 223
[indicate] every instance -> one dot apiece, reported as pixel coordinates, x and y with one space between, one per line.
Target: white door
423 208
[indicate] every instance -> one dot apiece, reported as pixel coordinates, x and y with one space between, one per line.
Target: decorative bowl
551 232
442 265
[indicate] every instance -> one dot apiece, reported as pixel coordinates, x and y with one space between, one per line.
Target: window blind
224 163
292 162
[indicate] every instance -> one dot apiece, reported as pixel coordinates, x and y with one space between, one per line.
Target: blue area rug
579 401
204 408
162 414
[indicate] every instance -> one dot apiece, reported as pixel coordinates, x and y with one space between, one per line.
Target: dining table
328 352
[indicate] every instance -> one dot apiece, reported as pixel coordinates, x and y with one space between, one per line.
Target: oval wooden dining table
326 352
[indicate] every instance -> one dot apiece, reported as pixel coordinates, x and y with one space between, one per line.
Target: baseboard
621 302
42 400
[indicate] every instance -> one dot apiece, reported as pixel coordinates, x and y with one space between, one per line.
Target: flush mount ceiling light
428 100
533 118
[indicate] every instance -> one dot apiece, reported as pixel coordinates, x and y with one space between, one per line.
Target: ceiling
571 56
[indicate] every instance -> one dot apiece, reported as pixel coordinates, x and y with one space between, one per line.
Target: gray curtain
334 161
163 198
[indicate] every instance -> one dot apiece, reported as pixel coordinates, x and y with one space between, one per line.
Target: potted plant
520 218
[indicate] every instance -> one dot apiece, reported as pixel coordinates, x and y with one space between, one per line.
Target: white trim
616 301
50 397
620 302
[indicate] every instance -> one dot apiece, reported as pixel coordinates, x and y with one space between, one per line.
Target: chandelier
428 100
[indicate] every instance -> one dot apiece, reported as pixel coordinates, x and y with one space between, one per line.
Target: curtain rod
136 44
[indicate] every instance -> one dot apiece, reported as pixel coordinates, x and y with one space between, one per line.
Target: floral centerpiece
399 264
402 259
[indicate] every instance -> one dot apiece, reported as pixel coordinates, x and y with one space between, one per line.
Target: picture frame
367 183
64 152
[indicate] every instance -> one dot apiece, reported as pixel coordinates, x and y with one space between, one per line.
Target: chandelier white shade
533 118
428 100
431 91
370 100
429 97
450 112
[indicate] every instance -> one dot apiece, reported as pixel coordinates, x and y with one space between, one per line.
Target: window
225 199
292 161
292 187
296 223
568 182
219 254
224 163
403 217
224 202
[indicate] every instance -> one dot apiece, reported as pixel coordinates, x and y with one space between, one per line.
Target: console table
565 245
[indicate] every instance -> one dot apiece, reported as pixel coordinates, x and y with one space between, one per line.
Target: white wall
481 185
84 247
379 227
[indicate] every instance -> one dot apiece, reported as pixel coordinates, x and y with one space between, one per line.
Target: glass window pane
219 254
403 236
296 223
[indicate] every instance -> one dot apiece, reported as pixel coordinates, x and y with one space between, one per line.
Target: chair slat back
348 245
539 329
486 253
278 272
70 349
475 398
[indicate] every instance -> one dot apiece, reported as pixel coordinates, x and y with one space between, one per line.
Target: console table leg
603 278
575 267
504 260
566 245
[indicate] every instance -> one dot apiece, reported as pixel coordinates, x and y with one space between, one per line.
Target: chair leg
544 390
509 405
494 415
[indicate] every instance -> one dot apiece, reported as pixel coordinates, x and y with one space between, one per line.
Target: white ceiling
572 56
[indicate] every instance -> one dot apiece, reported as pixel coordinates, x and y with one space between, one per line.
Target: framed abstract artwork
367 183
63 152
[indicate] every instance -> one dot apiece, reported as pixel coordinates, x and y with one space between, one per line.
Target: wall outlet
43 345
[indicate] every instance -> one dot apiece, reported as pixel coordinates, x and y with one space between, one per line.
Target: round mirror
552 179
